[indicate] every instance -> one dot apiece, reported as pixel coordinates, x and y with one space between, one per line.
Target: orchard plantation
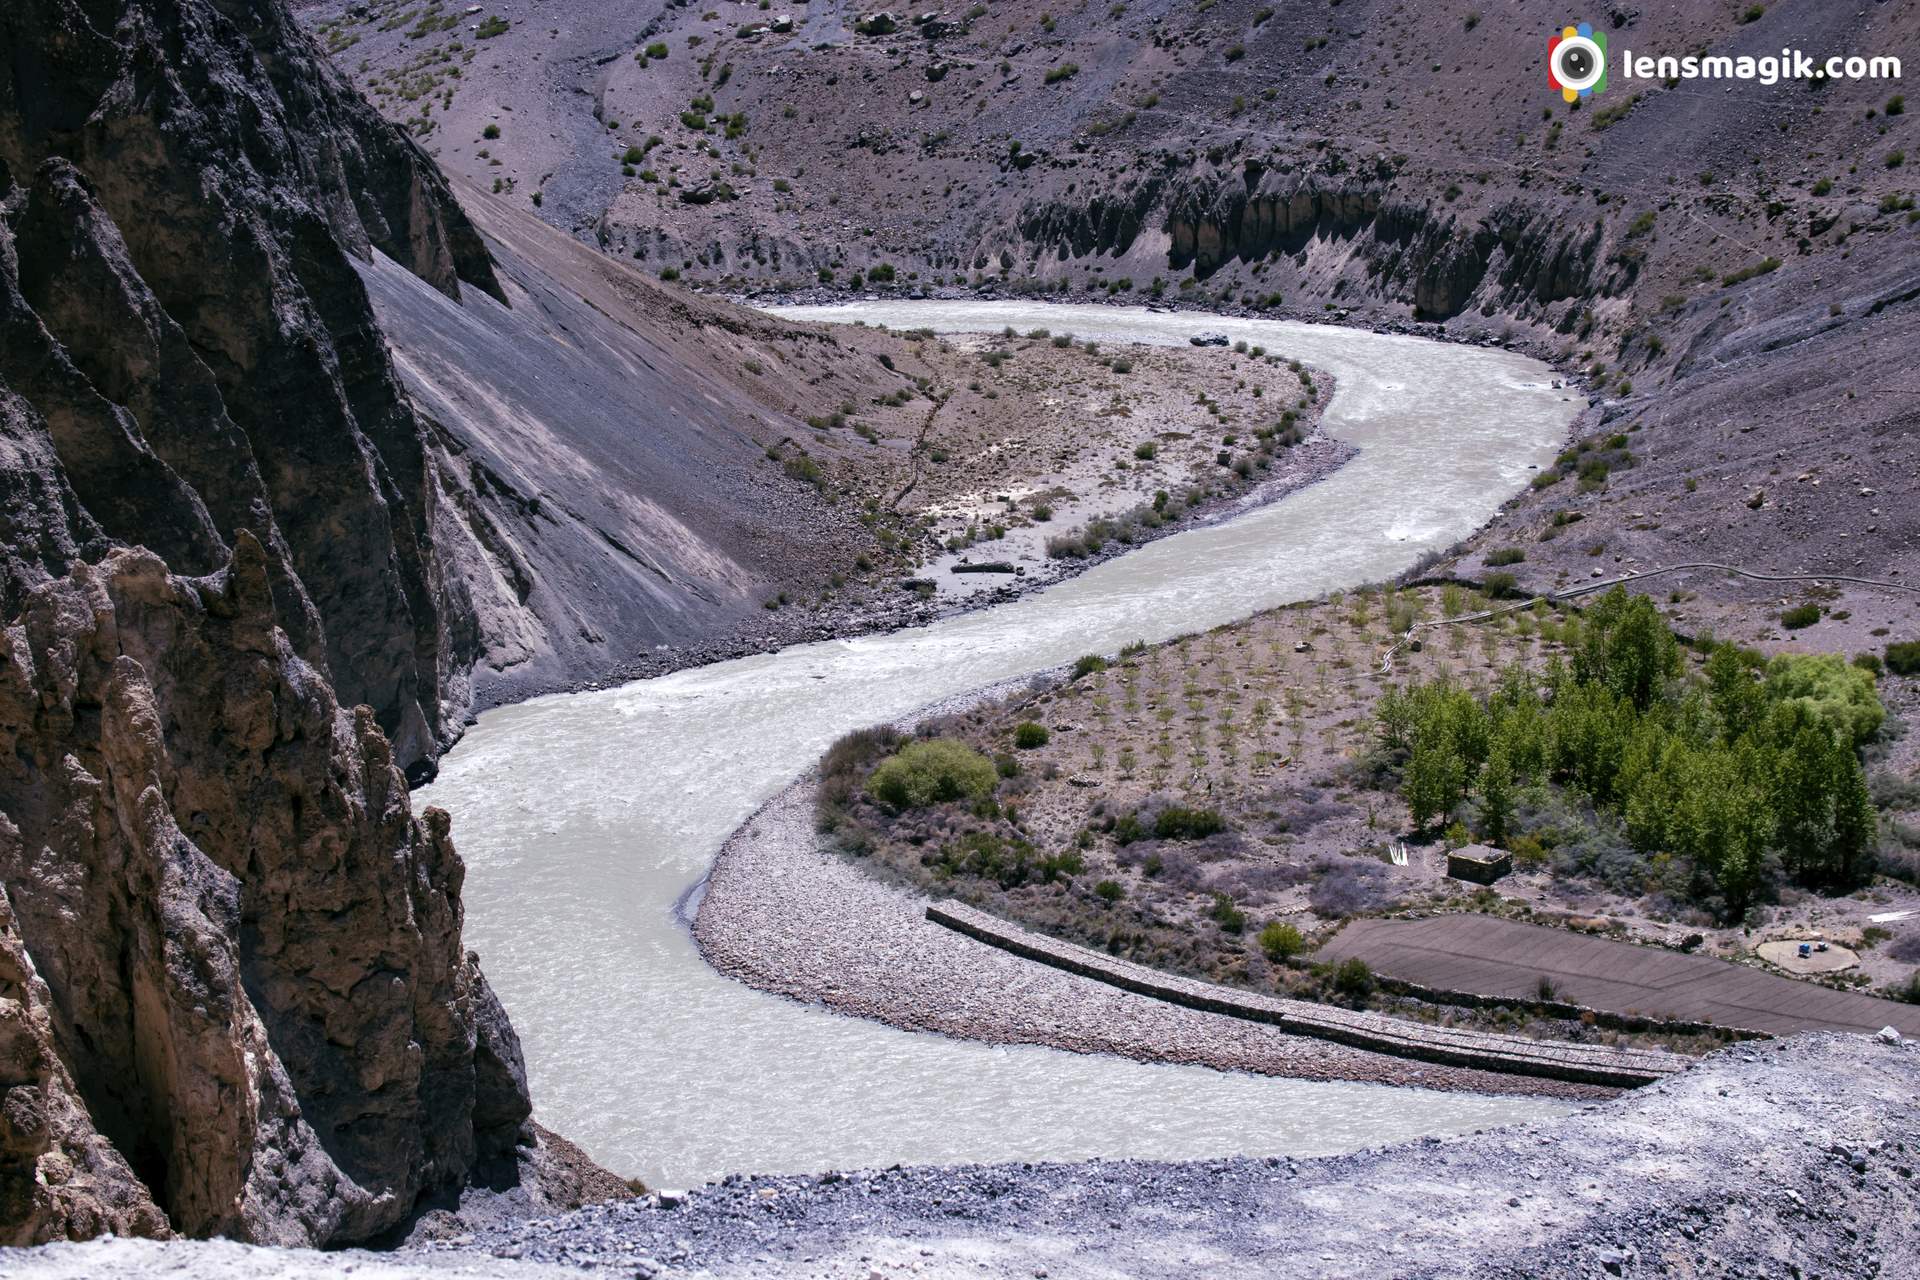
1709 781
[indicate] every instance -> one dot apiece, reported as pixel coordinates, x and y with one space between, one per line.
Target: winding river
584 817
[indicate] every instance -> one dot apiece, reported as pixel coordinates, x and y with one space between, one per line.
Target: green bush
1110 891
1763 267
1903 658
1227 915
1504 556
1087 664
495 25
804 469
932 771
1146 451
1353 978
1837 692
1177 822
1030 734
491 132
1281 942
1801 615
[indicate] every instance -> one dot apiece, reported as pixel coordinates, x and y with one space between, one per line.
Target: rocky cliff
233 993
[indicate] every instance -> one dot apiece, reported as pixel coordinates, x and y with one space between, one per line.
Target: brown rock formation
233 993
251 948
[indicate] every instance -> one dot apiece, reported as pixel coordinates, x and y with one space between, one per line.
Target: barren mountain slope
1731 266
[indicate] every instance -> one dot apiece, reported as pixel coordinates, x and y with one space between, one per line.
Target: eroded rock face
185 183
233 993
1517 257
247 948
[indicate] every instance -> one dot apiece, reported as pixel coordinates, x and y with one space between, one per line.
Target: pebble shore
783 914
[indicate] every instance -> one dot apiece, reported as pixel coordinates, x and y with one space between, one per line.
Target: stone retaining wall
1584 1064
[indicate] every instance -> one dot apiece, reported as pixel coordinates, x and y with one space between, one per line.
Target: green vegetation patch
931 772
1714 778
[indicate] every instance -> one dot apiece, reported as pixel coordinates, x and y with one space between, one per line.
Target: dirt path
1491 956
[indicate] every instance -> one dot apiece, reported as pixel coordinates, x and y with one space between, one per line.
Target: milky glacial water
584 817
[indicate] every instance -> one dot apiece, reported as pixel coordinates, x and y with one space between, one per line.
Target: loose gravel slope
1792 1157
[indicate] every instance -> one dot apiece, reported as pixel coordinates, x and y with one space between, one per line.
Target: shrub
1146 451
1348 886
1030 734
1281 942
1065 71
1177 822
1505 555
1744 274
1801 615
491 132
1903 658
1110 891
802 468
1839 693
1353 978
1229 917
931 772
1501 585
1087 664
495 25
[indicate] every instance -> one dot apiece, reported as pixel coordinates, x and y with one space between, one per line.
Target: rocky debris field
1793 1157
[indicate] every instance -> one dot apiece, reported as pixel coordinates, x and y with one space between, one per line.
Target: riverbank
1041 454
785 915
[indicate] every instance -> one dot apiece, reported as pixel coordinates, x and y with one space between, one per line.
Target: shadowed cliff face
233 993
189 182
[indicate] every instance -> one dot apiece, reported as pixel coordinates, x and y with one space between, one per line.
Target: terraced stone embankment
1452 1046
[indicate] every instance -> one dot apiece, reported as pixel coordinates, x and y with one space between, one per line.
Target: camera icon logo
1577 61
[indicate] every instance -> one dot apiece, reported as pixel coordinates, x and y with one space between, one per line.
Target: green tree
1496 794
1824 815
1838 692
1627 646
1394 714
1737 698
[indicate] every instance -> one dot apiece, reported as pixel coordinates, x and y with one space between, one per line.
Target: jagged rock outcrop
186 183
249 947
1523 257
233 992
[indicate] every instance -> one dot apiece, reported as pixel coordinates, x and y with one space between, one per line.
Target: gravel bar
784 914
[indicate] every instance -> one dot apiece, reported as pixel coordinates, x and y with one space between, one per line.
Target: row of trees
1728 768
